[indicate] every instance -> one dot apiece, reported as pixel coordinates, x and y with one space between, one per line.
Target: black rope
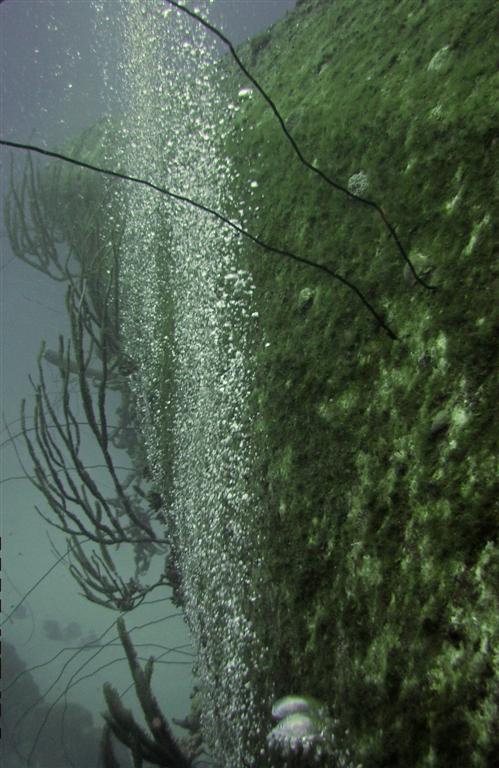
371 203
216 214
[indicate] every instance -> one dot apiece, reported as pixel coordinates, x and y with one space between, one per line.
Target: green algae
378 459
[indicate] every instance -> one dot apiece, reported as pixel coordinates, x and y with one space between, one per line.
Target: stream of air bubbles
187 320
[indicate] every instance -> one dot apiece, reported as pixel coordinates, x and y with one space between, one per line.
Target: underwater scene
249 294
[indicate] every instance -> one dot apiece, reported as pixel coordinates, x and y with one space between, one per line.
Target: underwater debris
54 631
160 746
358 183
304 734
305 299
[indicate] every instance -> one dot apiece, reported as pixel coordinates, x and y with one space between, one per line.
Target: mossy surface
378 458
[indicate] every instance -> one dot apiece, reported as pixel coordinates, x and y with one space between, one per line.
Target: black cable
211 212
295 146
